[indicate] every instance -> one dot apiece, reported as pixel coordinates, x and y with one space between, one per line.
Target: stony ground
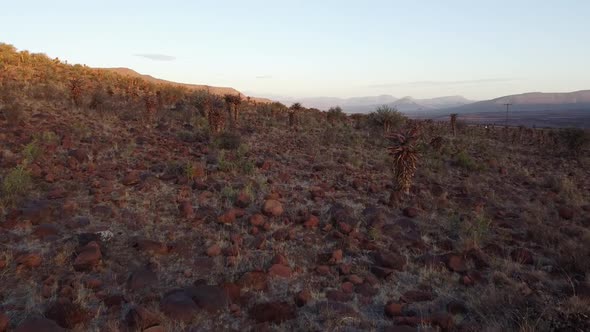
129 227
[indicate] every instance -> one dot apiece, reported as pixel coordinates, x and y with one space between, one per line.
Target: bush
464 160
387 118
574 139
335 114
16 183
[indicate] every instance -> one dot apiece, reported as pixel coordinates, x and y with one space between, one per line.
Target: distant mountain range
571 109
532 101
370 103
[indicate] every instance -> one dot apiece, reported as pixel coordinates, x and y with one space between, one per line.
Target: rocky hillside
124 220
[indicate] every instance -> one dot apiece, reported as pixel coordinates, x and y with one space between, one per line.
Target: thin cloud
156 56
442 83
263 77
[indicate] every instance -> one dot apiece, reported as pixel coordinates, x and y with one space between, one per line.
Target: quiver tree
454 124
387 118
151 105
76 90
233 102
214 108
296 107
405 158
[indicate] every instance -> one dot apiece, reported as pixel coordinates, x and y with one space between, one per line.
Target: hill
212 89
541 109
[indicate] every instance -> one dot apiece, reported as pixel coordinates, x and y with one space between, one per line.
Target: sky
479 49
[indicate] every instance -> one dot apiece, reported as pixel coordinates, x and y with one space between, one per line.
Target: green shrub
16 183
387 118
464 160
31 152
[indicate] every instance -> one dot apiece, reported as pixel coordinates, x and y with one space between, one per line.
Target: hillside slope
212 89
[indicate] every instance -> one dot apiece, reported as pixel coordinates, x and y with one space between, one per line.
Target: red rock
114 300
355 279
243 200
29 260
338 296
302 297
151 246
67 314
211 298
280 259
411 212
390 260
141 280
456 263
312 222
272 208
566 212
186 210
131 178
323 270
214 250
227 218
256 280
347 287
156 328
232 291
274 312
345 268
81 155
179 306
45 231
393 309
381 272
38 325
88 257
257 220
337 256
57 193
280 270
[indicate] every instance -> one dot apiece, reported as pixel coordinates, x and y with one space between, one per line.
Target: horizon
346 50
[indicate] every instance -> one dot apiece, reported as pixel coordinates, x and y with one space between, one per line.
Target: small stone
257 220
280 270
39 325
272 208
88 257
302 297
30 260
393 309
337 256
274 312
214 250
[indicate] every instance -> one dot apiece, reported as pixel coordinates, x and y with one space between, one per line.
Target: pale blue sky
479 49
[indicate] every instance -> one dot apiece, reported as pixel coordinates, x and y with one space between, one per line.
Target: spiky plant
76 90
405 158
294 108
454 123
233 102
